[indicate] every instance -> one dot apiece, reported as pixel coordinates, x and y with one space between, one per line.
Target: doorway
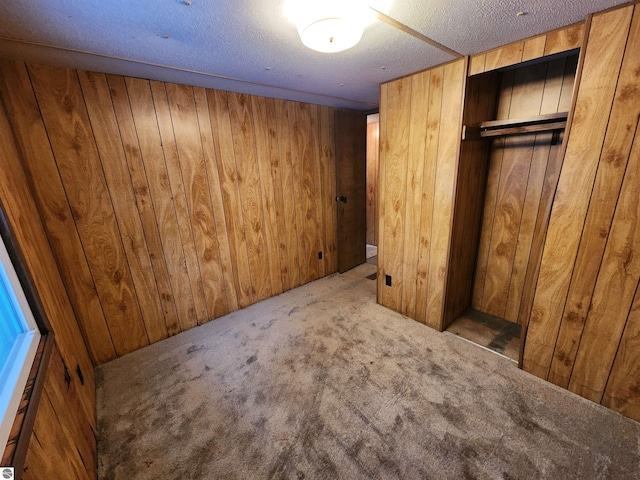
373 158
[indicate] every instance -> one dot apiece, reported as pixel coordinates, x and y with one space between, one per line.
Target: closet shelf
496 128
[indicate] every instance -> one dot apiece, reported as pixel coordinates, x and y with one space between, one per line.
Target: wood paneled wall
550 43
167 205
63 444
420 128
373 158
584 327
519 167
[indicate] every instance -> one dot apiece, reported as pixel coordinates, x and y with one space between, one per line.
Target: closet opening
510 157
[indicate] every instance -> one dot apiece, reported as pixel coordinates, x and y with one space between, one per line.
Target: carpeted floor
323 383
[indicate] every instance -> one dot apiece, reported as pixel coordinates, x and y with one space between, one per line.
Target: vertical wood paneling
67 124
621 132
556 41
621 393
276 165
309 259
179 196
398 113
196 187
480 104
288 192
225 155
62 441
382 180
148 135
530 208
517 166
602 64
51 198
118 178
122 109
167 205
415 172
265 140
211 165
328 169
428 188
295 194
419 148
445 185
614 291
250 193
564 39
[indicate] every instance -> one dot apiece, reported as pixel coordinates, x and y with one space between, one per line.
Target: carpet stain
252 359
343 389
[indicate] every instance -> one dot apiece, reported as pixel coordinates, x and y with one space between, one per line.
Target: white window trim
15 373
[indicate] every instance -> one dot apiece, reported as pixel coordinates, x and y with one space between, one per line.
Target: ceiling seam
406 29
184 70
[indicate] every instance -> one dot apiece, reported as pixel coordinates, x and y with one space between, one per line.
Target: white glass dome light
331 35
329 26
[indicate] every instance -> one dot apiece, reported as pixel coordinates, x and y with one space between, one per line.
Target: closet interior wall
518 168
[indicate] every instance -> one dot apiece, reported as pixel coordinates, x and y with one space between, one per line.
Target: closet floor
491 332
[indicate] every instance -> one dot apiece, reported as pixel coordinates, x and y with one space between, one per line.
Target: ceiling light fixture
329 26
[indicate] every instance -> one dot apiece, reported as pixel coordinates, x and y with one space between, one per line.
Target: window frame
16 449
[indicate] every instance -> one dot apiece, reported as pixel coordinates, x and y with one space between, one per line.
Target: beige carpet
323 383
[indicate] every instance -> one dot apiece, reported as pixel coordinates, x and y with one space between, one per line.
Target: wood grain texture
179 196
267 148
117 175
217 204
234 215
603 58
564 39
419 151
54 208
250 193
614 290
166 205
504 56
444 193
150 144
420 84
143 200
351 128
308 246
71 138
186 131
526 92
556 41
621 132
476 64
73 422
428 191
328 171
292 269
398 112
480 102
382 176
621 393
63 443
534 48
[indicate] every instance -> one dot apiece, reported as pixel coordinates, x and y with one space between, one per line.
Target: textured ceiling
249 46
